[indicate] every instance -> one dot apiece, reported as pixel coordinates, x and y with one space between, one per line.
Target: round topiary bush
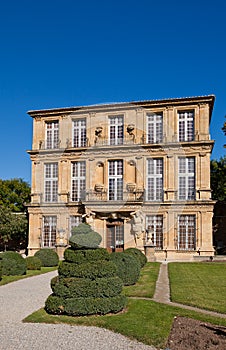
128 268
137 253
13 264
33 263
84 237
87 282
48 257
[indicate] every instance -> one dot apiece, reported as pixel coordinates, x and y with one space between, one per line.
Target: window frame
49 236
79 133
116 128
154 187
156 222
51 182
186 125
186 240
115 179
154 127
52 134
186 179
78 180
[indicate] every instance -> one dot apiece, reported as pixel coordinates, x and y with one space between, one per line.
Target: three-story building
138 173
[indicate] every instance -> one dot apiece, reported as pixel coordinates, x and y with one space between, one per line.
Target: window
79 133
78 184
154 179
74 222
187 178
154 224
116 130
154 128
51 182
186 232
52 134
186 126
49 231
115 178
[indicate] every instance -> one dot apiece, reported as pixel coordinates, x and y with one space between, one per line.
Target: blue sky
68 53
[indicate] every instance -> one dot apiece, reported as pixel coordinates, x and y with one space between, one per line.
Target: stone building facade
138 173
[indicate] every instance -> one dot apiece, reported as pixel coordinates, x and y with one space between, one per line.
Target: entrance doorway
115 235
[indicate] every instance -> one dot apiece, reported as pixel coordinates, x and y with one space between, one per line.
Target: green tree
14 194
218 179
13 228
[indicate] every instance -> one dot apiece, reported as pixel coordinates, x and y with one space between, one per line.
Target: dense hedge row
13 264
86 255
47 256
137 253
80 287
33 263
128 268
84 306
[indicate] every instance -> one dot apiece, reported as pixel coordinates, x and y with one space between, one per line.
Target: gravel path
21 298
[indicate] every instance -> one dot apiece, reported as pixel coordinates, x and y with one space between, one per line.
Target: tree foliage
218 179
14 194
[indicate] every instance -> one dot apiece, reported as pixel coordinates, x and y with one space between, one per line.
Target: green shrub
84 306
90 270
33 263
84 237
128 268
137 253
86 255
48 257
13 264
85 287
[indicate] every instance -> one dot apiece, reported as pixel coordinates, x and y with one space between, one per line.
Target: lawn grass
144 320
29 273
145 287
199 284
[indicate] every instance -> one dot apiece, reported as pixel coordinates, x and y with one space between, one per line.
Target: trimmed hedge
137 253
13 264
86 255
48 257
33 263
128 268
90 270
80 287
84 306
84 237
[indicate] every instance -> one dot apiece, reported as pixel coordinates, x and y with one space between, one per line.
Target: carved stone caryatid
138 226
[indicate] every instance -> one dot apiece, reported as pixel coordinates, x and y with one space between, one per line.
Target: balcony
106 196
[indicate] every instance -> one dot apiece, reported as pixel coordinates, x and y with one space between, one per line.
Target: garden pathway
21 298
162 293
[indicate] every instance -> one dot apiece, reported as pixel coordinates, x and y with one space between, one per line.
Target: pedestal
150 253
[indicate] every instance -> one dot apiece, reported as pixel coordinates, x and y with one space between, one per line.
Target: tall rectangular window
78 183
115 236
52 134
154 225
49 231
154 128
154 179
115 179
79 133
51 182
116 130
74 222
186 232
186 178
186 126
